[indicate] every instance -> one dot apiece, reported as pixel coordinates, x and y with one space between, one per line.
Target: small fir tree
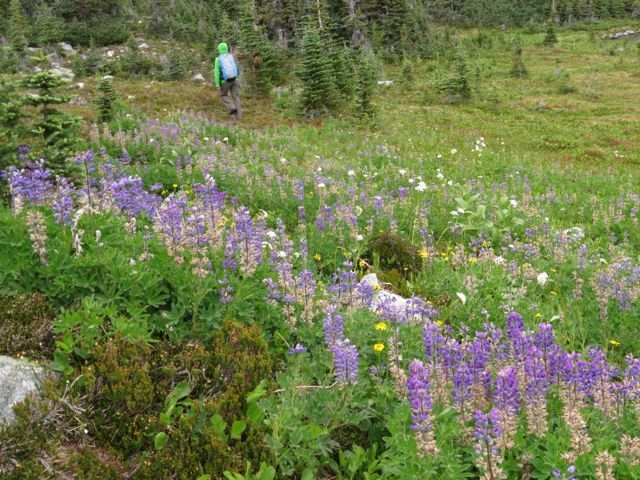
57 129
261 56
366 75
11 127
406 75
458 86
106 100
17 31
47 29
518 70
550 37
318 90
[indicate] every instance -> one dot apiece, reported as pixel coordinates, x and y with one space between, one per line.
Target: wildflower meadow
449 293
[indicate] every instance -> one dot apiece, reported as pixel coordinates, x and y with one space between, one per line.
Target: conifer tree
259 52
366 73
458 85
318 90
47 29
17 31
342 62
550 36
518 70
57 129
105 101
406 76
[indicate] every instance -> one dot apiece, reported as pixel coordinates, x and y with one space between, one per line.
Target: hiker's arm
216 72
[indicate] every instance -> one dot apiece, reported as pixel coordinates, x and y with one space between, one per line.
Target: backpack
228 66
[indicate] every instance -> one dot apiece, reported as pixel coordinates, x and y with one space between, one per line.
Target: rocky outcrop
617 35
18 378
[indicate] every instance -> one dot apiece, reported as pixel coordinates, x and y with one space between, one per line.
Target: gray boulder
18 378
198 78
66 47
64 73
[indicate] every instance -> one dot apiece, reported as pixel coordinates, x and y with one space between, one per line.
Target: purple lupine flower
63 201
333 327
419 309
168 224
345 362
506 394
432 341
418 387
344 285
515 326
298 349
130 196
225 291
244 240
544 341
452 355
462 381
31 184
487 431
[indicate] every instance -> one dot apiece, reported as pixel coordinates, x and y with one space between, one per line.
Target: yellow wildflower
472 260
175 185
554 270
378 347
538 315
361 263
317 257
440 323
615 343
423 253
381 326
553 292
233 224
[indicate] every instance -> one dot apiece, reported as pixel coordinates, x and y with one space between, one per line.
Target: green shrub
394 252
26 326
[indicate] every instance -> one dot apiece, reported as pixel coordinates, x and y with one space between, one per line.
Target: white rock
18 378
62 72
386 83
143 46
110 53
381 296
66 47
80 85
131 97
198 78
107 77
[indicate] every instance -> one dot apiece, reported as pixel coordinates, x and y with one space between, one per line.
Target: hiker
226 72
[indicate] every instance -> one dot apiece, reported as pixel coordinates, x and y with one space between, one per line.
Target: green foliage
105 101
366 77
89 64
17 30
11 127
318 89
518 69
550 37
392 252
457 87
260 56
135 63
175 67
47 29
406 74
26 326
57 129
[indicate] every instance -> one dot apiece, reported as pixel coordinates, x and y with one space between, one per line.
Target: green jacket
222 48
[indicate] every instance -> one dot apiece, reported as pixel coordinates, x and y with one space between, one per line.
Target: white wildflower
542 279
